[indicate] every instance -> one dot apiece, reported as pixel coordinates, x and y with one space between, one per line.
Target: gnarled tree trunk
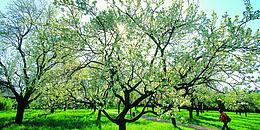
122 125
20 111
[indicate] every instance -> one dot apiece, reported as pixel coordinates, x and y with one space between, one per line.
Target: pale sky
233 7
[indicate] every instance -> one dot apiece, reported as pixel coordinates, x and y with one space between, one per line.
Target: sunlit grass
211 119
85 119
74 119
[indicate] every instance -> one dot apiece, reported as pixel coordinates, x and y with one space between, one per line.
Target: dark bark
65 106
22 103
197 109
245 114
122 126
95 108
197 112
98 119
118 106
52 110
174 122
190 113
20 112
191 107
99 115
179 108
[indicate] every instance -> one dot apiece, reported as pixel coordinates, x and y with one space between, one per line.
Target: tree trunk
65 106
20 112
174 122
99 115
95 108
201 108
190 113
122 126
245 114
197 112
191 107
118 107
98 119
52 110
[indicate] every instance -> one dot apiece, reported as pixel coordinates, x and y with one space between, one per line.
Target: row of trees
238 100
135 54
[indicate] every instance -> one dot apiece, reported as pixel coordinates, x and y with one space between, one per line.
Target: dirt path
196 127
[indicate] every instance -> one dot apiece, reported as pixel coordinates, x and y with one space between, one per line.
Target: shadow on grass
199 122
178 128
52 121
6 122
64 121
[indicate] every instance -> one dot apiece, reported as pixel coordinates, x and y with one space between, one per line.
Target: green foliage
134 53
6 103
167 51
241 100
255 99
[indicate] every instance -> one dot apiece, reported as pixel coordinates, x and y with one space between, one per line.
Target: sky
233 7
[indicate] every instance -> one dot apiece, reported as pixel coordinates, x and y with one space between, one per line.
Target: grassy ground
72 119
211 119
85 119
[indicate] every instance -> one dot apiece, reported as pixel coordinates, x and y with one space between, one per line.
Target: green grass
211 119
73 119
85 119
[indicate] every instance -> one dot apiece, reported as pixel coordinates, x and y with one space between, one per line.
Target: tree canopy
133 54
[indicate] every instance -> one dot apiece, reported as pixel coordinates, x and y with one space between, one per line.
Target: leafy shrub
5 103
